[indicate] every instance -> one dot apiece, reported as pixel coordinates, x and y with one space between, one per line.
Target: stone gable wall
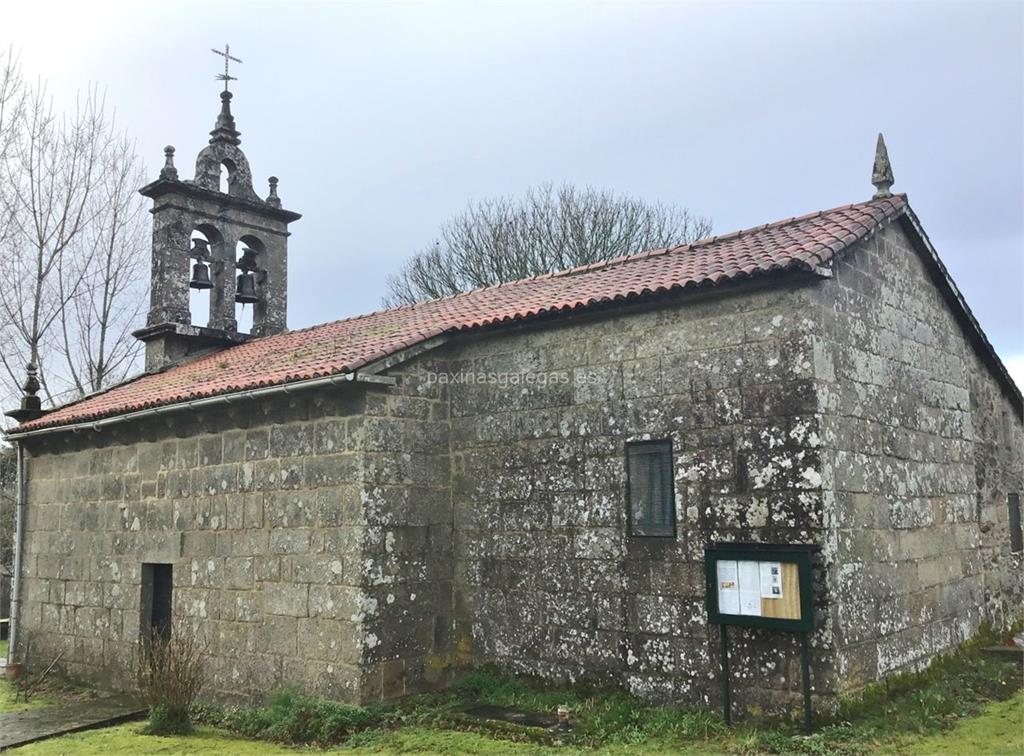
920 449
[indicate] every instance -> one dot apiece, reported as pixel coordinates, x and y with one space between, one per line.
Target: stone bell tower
221 238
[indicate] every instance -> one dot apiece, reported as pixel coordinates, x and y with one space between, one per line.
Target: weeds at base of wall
290 717
980 677
954 687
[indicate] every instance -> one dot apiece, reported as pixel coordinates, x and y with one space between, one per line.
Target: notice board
760 585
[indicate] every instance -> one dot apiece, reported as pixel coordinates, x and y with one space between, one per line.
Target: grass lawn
50 693
967 703
38 701
999 730
126 739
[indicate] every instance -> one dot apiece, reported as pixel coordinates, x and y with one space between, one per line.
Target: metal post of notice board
805 662
726 684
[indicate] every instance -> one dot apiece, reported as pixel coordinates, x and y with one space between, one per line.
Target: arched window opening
248 264
227 173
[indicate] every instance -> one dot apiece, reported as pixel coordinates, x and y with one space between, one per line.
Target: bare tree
72 241
549 229
12 107
48 178
103 278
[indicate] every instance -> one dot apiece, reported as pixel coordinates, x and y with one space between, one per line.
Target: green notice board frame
798 554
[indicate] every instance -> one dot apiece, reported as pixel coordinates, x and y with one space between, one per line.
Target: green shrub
290 717
169 720
488 685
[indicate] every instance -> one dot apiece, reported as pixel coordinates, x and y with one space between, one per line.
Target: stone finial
169 172
224 129
31 384
881 174
31 405
273 200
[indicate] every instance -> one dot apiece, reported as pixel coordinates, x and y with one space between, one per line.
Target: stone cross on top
226 54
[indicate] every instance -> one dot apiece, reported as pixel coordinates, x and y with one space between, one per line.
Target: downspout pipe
21 501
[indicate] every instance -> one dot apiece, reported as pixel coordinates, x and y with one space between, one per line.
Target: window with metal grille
1016 535
156 603
652 509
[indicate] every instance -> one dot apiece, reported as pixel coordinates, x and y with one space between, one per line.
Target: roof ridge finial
273 200
31 405
881 173
224 129
169 172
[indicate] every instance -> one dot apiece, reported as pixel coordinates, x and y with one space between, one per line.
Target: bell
245 291
200 276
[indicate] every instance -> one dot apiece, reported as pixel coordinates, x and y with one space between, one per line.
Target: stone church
527 475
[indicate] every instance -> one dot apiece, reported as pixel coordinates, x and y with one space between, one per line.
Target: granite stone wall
920 449
260 511
406 550
549 581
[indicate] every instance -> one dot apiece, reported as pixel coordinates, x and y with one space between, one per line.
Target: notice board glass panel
760 585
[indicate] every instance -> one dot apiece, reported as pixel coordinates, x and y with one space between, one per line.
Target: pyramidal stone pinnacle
881 173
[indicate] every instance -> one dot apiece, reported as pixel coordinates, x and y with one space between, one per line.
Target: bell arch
249 281
223 156
204 244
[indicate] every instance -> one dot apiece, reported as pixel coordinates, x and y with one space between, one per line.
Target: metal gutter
237 396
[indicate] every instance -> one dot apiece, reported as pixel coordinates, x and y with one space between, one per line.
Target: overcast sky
384 119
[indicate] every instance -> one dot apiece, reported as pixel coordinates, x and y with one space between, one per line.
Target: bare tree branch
499 240
109 261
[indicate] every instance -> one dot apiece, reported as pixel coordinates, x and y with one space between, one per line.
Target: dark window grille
157 600
1016 535
652 508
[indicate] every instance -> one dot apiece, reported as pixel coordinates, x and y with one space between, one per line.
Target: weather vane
226 77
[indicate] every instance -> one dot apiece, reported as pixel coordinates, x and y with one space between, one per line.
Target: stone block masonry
551 582
921 449
258 508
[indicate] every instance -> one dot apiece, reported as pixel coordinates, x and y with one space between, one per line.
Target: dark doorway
157 587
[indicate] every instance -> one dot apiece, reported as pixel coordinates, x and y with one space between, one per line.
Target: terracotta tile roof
346 345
